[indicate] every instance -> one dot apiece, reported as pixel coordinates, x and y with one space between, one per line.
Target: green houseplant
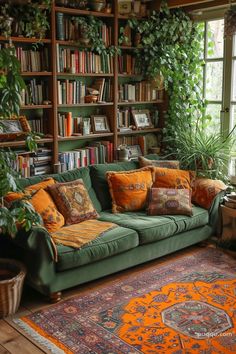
201 151
11 84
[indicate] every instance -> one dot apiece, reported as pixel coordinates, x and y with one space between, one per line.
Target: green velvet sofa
138 239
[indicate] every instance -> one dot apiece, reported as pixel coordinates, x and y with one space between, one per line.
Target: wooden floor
12 341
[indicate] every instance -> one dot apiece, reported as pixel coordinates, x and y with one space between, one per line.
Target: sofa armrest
214 210
38 254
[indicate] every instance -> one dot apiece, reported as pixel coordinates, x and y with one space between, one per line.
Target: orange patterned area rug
185 306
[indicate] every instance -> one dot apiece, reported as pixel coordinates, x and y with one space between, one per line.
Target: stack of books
36 92
33 60
137 92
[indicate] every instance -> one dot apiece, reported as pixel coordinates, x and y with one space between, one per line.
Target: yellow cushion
129 189
44 205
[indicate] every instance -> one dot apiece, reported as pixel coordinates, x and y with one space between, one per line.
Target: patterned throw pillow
73 201
165 201
129 189
11 196
44 205
172 178
205 190
143 162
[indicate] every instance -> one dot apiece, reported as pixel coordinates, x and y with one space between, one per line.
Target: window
213 71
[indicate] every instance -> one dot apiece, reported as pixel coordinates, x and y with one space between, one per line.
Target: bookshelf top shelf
139 102
84 137
129 17
25 40
70 11
140 131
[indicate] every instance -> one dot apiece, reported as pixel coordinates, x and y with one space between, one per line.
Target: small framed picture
100 124
10 129
142 119
85 126
134 151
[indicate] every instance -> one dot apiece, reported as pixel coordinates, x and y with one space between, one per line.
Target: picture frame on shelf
142 119
100 124
12 128
86 126
134 151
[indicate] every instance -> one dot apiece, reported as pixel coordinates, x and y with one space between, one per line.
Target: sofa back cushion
67 176
99 181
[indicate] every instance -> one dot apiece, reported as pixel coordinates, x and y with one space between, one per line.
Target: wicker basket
12 274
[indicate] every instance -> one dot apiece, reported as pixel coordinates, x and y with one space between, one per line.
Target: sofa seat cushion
154 228
112 242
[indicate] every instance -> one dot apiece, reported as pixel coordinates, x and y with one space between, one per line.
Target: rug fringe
38 338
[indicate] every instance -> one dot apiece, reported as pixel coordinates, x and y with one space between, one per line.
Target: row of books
138 91
36 125
74 91
33 60
84 62
97 152
68 29
124 118
68 125
36 92
28 164
127 64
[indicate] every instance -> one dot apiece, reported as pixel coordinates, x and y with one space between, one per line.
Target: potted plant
206 153
20 213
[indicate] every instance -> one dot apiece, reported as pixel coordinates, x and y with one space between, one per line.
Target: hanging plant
230 22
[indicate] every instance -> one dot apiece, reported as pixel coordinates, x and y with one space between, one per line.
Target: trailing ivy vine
171 44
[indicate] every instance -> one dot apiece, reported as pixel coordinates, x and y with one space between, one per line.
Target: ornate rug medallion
185 306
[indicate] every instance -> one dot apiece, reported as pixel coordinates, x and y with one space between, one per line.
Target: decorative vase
97 5
12 275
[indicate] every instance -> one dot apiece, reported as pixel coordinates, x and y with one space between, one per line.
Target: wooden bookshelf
51 78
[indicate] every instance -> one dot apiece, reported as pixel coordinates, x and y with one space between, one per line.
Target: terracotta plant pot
12 275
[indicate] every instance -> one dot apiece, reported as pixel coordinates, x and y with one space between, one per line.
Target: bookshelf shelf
25 40
70 11
140 131
130 75
22 142
36 73
85 74
86 104
139 102
84 137
40 106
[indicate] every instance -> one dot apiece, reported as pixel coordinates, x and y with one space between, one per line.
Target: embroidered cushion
158 163
11 196
165 201
73 201
205 190
129 189
44 205
172 178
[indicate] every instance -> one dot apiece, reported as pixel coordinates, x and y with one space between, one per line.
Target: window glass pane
233 119
234 50
234 81
215 35
214 77
214 124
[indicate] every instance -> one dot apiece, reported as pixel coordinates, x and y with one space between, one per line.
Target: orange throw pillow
41 185
205 190
129 189
44 205
171 178
12 196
